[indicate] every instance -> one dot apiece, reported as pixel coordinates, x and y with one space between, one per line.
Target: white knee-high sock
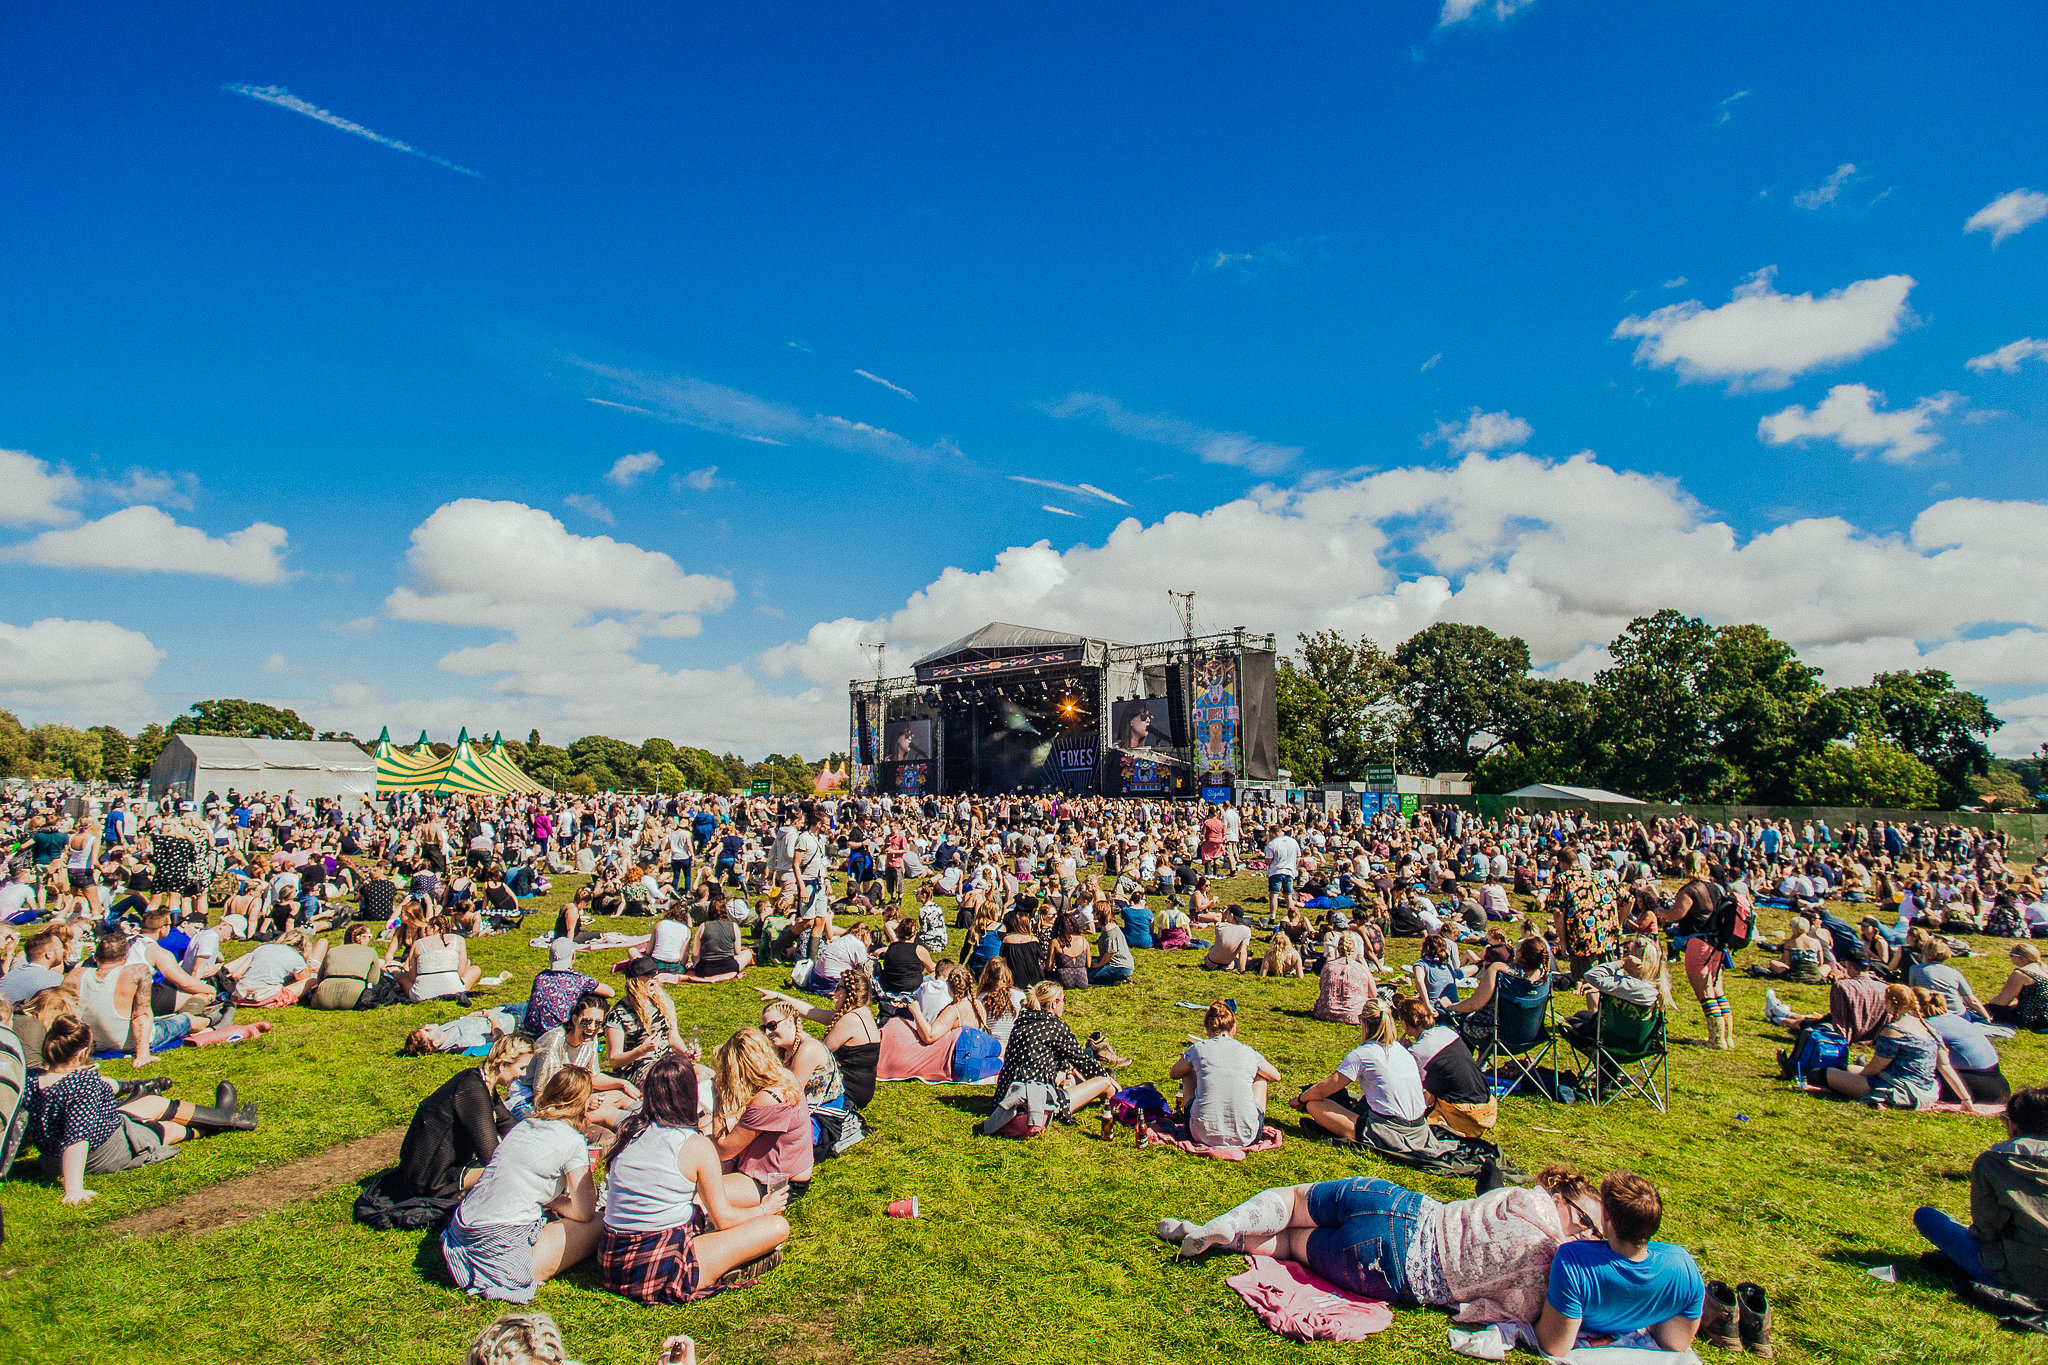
1265 1213
1175 1229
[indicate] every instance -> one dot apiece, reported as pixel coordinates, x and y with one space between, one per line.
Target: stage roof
998 635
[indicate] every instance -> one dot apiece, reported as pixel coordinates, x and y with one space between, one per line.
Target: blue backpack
1820 1046
977 1056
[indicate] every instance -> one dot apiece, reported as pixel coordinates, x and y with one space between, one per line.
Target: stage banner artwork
910 779
1217 795
1216 716
1144 776
1410 803
1073 762
907 741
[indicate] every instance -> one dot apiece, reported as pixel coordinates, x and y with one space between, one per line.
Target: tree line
1684 711
587 765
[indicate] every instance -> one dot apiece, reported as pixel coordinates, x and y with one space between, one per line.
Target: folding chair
1511 1037
14 1085
1629 1058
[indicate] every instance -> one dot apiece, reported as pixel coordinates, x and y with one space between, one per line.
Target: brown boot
1719 1322
1754 1319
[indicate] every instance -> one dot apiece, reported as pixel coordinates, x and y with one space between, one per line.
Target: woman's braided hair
519 1339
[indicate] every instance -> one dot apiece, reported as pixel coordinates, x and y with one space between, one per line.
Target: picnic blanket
1984 1111
1636 1348
610 941
1303 1306
1167 1133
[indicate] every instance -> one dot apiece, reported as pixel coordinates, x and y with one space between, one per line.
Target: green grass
1032 1252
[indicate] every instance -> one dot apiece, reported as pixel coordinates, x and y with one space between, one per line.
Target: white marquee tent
193 765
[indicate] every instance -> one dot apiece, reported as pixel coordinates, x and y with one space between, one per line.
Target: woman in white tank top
438 965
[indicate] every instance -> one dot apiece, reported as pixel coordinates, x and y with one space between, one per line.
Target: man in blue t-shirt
1626 1284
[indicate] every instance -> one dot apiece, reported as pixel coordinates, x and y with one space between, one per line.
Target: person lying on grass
455 1131
2005 1242
661 1171
83 1125
1629 1284
1487 1258
575 1044
480 1029
532 1213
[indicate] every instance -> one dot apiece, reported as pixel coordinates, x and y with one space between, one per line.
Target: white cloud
590 507
279 665
1215 447
33 491
1762 339
1086 490
511 567
627 469
285 99
1828 190
701 480
1849 417
89 672
893 388
1458 11
150 485
1725 110
2009 357
1481 431
1562 553
1297 252
360 628
1678 283
732 412
1048 507
1431 363
147 540
2015 211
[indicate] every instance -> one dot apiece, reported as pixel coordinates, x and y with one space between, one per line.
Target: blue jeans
167 1029
1952 1240
1360 1242
1109 976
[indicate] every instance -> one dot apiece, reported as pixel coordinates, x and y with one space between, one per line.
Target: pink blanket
234 1033
1161 1131
1303 1306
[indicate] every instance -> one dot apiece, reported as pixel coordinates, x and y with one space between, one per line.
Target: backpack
977 1056
1734 923
1818 1047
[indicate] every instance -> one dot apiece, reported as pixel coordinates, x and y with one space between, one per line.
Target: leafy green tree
615 756
1553 740
1871 772
1924 714
583 784
1457 681
1336 707
673 779
241 719
1764 712
14 755
1656 712
117 758
148 744
61 751
658 751
2001 784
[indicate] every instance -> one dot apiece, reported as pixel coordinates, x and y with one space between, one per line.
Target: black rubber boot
210 1118
136 1089
226 1097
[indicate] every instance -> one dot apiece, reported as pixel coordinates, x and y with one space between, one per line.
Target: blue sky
1355 315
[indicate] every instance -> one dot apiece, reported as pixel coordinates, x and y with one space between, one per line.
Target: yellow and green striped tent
490 773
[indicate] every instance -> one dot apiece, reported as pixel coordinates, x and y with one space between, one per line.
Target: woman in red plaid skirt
663 1172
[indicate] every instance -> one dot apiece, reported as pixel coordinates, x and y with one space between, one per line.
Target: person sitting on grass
1490 1256
852 1033
1436 972
1908 1062
79 1124
1629 1283
1452 1083
1970 1051
1856 1010
1804 956
661 1171
438 967
348 971
1391 1106
1231 952
2005 1243
1283 958
641 1028
112 992
1113 964
575 1045
2023 1000
456 1129
716 953
1345 982
532 1213
1223 1084
1042 1050
1933 971
556 990
761 1126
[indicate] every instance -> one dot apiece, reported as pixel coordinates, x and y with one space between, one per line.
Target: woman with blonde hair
1639 979
1042 1050
999 999
1391 1105
1908 1061
456 1130
1345 981
852 1032
2023 1000
533 1212
1223 1083
761 1125
1282 958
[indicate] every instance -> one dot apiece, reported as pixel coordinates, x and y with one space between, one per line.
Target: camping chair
1511 1038
14 1084
1628 1058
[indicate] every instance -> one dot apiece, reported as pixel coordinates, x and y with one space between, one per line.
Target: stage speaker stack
1177 703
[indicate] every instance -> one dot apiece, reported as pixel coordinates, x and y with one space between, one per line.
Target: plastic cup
904 1208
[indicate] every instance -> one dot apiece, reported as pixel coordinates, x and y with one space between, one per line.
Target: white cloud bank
1849 417
148 540
93 671
1762 339
2008 358
1481 431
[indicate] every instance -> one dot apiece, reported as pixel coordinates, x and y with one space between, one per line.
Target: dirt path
252 1196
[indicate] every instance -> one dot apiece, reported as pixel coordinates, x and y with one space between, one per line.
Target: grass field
1031 1252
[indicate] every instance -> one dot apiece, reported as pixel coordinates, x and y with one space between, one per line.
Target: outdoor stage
1010 708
